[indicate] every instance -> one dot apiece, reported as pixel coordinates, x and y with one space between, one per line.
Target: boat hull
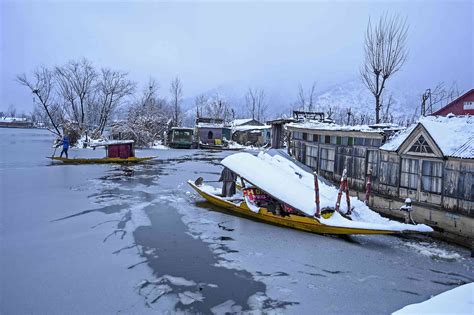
307 224
130 160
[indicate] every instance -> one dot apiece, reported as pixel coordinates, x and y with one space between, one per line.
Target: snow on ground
269 172
234 145
158 145
459 301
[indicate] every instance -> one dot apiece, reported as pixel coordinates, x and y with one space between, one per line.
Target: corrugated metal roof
466 151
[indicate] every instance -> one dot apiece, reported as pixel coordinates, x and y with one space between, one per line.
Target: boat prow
334 225
130 160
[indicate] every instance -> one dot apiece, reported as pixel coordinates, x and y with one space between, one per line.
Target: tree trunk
49 115
377 109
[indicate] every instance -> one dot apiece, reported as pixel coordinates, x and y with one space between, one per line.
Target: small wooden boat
303 223
105 160
291 204
118 151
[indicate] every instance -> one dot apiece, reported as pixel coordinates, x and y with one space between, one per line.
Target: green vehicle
181 138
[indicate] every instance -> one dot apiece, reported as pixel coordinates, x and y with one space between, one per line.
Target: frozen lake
102 239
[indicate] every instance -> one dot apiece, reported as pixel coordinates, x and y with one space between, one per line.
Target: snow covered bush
146 121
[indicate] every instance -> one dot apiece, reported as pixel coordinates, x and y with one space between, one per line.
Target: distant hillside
351 94
357 97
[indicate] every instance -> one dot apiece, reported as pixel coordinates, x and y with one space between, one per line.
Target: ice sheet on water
179 281
189 297
228 307
433 251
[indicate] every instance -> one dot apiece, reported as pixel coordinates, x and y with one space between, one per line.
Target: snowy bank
459 301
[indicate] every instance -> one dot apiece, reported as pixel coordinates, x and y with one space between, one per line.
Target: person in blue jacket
65 143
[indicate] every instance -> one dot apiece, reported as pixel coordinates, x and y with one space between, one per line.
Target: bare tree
387 116
311 97
349 115
42 86
76 85
218 108
330 112
176 90
305 101
11 111
385 52
301 102
200 102
150 93
255 102
438 96
112 87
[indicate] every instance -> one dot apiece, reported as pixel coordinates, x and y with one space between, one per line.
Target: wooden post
341 189
368 187
348 200
316 195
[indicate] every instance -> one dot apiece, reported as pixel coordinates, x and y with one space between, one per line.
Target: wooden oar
199 181
54 152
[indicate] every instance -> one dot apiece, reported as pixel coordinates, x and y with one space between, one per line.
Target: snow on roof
238 122
318 125
181 128
397 139
111 142
209 125
454 135
250 127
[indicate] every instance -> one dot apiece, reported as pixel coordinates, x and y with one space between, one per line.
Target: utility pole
424 98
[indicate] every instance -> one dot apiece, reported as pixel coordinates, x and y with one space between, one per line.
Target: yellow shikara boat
303 223
105 160
281 193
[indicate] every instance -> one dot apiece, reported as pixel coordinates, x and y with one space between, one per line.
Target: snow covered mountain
355 96
340 97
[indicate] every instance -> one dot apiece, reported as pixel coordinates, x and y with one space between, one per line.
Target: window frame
325 161
438 178
411 174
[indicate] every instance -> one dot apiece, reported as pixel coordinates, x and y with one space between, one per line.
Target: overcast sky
208 44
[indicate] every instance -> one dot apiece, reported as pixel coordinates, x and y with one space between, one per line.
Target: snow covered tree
147 120
385 52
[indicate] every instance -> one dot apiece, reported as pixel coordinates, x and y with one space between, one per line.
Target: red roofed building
463 105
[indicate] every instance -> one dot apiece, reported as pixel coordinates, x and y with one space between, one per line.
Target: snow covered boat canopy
111 142
284 180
